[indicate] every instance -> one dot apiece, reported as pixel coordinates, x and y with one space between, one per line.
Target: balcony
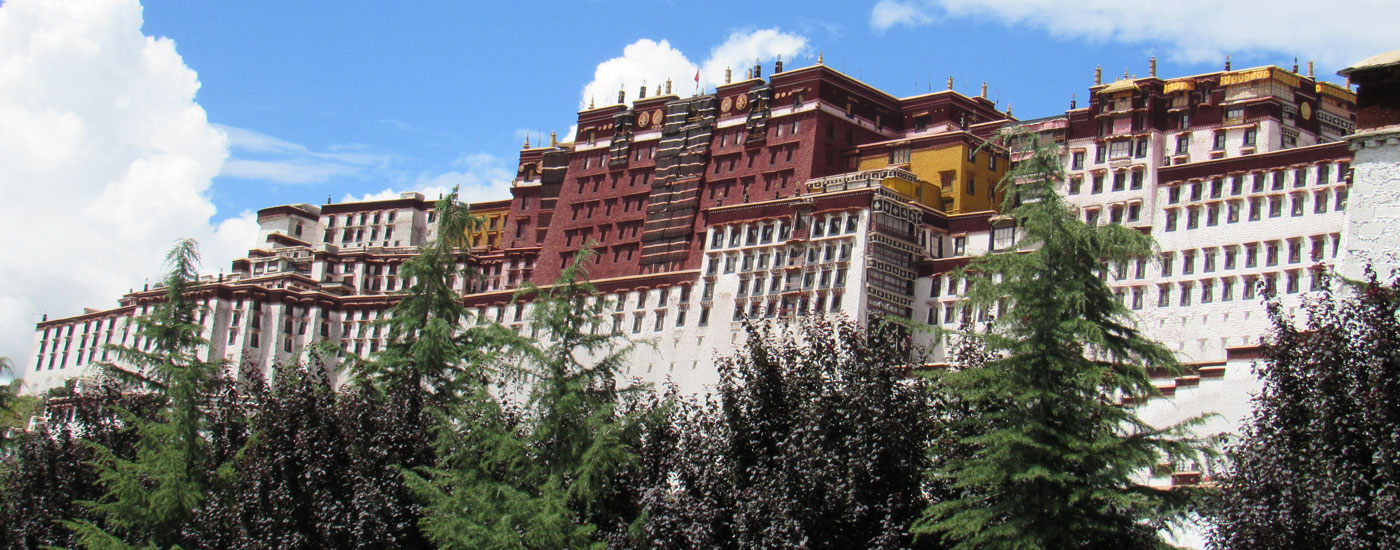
858 180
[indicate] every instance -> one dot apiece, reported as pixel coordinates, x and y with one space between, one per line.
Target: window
1209 258
1141 148
1278 181
1193 215
1230 254
1271 254
899 156
1237 185
1219 143
1298 204
1275 207
1183 143
1167 264
1251 256
1164 295
1188 263
1258 183
1341 200
1196 190
1293 277
1003 237
971 185
1077 162
1091 217
1213 215
1185 294
1227 289
1075 183
1134 212
1320 202
1232 212
1098 184
1174 194
1137 180
1300 178
1250 287
1256 206
1100 152
1249 135
1120 149
960 245
1295 251
1120 181
1323 174
1217 188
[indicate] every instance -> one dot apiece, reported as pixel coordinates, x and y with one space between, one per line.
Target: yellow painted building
954 176
493 217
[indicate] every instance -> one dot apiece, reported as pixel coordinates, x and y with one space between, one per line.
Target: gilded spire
950 82
819 57
553 139
527 141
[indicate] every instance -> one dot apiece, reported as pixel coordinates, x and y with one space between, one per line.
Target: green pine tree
430 350
1056 459
150 499
432 362
545 475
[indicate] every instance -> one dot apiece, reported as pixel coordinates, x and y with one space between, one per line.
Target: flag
697 77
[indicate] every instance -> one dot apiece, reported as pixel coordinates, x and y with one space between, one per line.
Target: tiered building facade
811 193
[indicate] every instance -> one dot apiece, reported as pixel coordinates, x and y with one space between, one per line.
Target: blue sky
128 126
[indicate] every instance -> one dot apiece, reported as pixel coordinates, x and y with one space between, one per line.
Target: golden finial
527 141
950 82
984 89
553 139
819 57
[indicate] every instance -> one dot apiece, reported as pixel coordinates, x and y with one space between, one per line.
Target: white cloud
105 161
1336 34
282 161
478 177
888 13
653 62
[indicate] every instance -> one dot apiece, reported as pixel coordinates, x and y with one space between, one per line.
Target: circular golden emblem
644 120
741 101
726 105
657 118
1306 111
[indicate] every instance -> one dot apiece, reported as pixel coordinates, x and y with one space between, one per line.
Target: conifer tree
1055 457
1318 464
541 476
150 499
430 349
432 362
